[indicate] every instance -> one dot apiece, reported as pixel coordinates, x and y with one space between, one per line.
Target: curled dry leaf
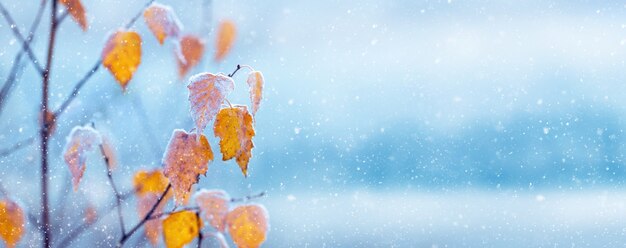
149 185
189 52
255 81
11 223
162 21
80 141
77 11
234 128
226 34
122 55
51 121
207 92
248 225
180 228
185 159
213 205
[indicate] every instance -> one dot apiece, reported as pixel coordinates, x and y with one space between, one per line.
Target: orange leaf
234 127
185 158
11 223
255 81
226 34
122 55
248 225
79 142
189 52
206 95
214 206
149 186
180 228
162 21
77 11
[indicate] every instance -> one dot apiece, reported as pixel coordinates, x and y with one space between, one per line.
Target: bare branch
20 37
145 218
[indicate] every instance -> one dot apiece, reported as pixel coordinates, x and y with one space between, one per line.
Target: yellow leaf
77 11
226 34
162 21
186 157
79 142
213 205
255 81
149 186
122 55
189 52
234 127
248 225
181 228
206 94
11 223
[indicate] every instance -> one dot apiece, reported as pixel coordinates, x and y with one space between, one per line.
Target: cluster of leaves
188 153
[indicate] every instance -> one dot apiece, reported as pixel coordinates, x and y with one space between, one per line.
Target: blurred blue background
384 123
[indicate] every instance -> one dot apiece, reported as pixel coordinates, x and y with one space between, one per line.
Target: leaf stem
236 69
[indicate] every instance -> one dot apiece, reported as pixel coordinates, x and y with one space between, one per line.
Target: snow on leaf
122 55
11 223
226 34
181 228
80 141
162 21
213 205
189 52
77 11
185 159
206 94
255 81
149 185
234 128
248 225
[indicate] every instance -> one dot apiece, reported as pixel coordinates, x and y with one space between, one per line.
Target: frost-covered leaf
207 92
248 225
149 186
162 21
226 34
255 81
189 52
186 158
213 205
80 141
11 223
234 128
122 55
77 11
181 228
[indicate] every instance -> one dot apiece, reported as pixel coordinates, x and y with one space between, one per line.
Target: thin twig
199 229
20 37
45 128
20 144
145 218
159 215
118 197
237 69
248 197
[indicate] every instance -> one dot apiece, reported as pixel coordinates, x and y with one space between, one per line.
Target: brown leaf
162 21
77 11
185 159
11 223
91 215
206 95
248 225
235 129
213 205
79 142
189 52
255 81
122 55
181 228
226 34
